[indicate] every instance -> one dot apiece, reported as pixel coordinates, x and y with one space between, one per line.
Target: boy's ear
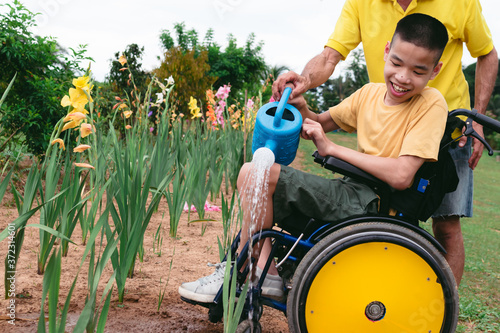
386 50
436 70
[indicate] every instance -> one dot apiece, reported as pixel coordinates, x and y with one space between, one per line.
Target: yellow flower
85 130
127 114
193 107
71 124
122 60
75 116
195 113
84 165
77 99
122 106
193 103
80 148
82 82
60 142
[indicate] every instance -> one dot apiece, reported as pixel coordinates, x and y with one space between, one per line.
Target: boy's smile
408 69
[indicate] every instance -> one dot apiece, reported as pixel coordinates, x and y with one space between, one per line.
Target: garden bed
139 309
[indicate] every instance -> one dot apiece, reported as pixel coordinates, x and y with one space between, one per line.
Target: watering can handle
281 107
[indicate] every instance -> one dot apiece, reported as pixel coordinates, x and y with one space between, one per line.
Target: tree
119 78
241 67
334 90
43 75
189 73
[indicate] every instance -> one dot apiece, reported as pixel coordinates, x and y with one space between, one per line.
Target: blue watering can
277 127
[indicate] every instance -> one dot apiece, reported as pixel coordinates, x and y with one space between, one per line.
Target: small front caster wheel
249 326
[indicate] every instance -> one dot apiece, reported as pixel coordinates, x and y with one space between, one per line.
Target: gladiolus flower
77 99
128 127
75 116
123 69
84 165
223 92
82 82
60 142
85 130
193 107
250 104
122 60
71 124
170 80
159 98
122 106
80 148
127 114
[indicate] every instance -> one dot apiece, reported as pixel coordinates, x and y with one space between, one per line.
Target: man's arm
486 74
315 73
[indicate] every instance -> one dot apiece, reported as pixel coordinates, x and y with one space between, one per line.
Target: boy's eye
418 73
395 64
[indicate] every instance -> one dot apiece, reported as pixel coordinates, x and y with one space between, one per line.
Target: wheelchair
375 273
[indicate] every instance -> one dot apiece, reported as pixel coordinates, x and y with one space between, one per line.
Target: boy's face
407 70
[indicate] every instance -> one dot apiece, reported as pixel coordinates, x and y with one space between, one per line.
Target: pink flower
208 208
250 104
223 92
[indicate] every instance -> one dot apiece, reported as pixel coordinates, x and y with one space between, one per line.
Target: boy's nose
402 77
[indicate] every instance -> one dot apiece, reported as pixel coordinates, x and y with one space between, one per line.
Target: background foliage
43 70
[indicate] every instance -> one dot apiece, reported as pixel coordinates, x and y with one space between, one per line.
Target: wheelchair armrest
349 170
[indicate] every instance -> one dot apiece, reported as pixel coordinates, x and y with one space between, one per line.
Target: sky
293 31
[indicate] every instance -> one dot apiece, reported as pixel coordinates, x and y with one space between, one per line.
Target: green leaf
51 231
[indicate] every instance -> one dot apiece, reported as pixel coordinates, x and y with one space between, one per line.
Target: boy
399 126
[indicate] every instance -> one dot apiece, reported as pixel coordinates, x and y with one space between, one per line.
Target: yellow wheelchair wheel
373 277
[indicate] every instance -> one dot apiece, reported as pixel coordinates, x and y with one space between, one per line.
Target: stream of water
256 186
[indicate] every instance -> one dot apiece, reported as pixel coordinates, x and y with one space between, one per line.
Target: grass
479 291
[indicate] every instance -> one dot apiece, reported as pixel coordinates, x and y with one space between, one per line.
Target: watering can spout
271 145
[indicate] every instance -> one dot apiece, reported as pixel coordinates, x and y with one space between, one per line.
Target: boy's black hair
423 31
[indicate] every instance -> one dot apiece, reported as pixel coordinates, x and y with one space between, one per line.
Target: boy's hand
300 103
312 130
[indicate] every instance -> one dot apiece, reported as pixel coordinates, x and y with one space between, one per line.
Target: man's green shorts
300 194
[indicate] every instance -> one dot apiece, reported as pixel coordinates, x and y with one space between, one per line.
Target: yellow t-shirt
412 128
373 22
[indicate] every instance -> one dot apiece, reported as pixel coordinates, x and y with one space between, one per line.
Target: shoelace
217 275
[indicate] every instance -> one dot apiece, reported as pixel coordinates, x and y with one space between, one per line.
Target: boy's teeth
398 88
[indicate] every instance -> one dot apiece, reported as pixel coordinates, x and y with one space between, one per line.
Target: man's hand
298 83
477 146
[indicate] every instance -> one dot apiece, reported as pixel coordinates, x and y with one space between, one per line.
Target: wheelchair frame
290 249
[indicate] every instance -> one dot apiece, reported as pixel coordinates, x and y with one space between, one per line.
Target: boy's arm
326 121
397 172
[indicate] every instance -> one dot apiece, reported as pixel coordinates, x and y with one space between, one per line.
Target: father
372 22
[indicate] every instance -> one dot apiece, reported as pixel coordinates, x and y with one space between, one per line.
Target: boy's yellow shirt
412 128
374 22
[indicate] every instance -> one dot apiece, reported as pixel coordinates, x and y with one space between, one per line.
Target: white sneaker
204 289
272 286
